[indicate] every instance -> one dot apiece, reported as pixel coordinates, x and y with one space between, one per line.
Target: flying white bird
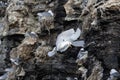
65 40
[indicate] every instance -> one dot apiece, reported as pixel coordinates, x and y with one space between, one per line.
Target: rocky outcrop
29 30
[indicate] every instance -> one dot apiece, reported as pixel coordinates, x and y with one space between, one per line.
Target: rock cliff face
29 29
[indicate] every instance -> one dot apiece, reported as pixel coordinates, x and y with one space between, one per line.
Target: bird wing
66 33
78 43
75 35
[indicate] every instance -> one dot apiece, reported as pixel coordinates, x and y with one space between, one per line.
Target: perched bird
46 19
65 40
82 56
2 4
30 38
82 53
45 15
114 75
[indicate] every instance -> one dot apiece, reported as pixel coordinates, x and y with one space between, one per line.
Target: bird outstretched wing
75 35
78 43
